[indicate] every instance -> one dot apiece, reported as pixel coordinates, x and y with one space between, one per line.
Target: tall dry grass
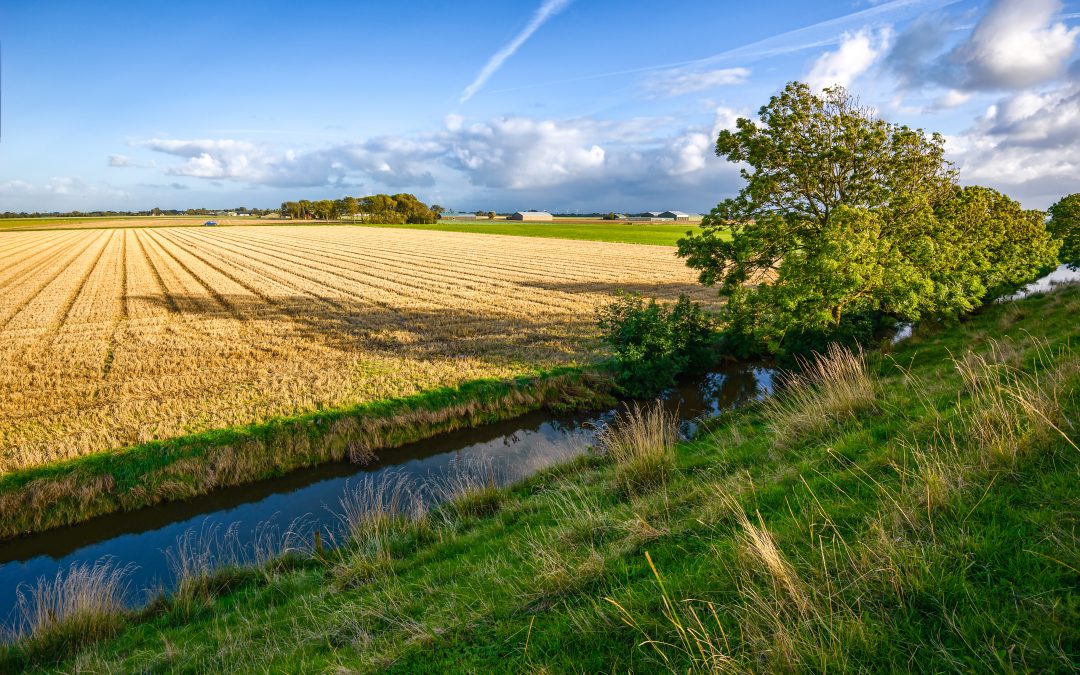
84 603
640 441
377 514
1012 410
467 489
807 613
826 389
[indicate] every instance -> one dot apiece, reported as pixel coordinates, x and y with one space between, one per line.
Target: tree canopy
380 208
845 214
1065 225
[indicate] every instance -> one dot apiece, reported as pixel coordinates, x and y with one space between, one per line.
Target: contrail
820 34
547 9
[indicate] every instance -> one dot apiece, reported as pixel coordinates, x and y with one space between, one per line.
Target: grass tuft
827 389
641 441
77 607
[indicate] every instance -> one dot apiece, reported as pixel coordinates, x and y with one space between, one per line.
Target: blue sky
566 105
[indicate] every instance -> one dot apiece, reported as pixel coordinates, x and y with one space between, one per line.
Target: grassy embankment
150 473
660 234
911 510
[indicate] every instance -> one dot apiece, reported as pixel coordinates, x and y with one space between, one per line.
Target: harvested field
111 337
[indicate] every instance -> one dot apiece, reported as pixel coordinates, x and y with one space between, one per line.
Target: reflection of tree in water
726 389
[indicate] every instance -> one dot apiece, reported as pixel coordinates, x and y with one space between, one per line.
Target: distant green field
660 234
82 222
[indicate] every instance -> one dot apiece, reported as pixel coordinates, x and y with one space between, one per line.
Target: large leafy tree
843 213
1065 225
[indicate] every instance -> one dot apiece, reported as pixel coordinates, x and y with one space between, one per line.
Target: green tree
350 206
844 214
1065 225
413 210
305 207
491 215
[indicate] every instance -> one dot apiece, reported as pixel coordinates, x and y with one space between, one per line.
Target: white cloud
677 82
546 10
59 193
520 152
952 99
509 160
856 53
125 162
392 161
1016 44
1027 145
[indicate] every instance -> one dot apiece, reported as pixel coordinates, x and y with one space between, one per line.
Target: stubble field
119 336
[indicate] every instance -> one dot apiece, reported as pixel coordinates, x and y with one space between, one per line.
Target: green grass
933 526
72 222
660 234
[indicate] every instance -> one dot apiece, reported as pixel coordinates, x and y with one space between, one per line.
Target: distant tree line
119 214
380 208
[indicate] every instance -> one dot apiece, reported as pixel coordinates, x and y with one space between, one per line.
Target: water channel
246 517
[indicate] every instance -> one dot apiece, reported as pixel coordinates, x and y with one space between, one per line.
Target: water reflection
251 516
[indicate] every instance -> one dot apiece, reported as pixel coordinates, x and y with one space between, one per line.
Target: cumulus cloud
677 81
59 193
1016 44
546 10
390 160
583 161
520 152
1027 145
856 53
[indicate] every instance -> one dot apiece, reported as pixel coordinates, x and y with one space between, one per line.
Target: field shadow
668 290
483 332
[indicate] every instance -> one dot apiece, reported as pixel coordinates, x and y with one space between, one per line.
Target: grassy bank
660 234
889 512
131 478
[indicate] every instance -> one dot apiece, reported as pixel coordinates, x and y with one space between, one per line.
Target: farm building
649 217
530 215
677 216
454 215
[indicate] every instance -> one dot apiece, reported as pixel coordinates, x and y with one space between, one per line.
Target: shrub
654 343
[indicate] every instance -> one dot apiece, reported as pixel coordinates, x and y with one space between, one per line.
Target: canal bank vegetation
158 471
926 514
